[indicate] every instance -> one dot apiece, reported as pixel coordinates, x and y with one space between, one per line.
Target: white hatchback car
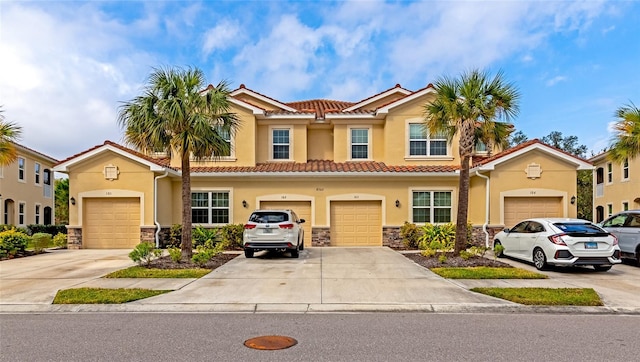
560 242
279 230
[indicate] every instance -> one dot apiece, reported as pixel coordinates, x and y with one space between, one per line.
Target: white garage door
518 208
356 223
111 223
301 208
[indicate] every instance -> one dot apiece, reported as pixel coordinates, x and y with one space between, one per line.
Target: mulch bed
23 254
433 262
165 262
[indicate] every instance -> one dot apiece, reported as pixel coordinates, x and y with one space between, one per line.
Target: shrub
231 235
40 241
175 254
49 229
201 235
438 237
442 258
410 234
466 255
144 253
175 236
428 253
478 250
5 227
60 240
497 250
13 241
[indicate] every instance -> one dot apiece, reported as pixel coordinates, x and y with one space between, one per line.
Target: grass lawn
483 272
143 272
103 296
545 296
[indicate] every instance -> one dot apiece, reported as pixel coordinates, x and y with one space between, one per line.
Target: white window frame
209 191
369 143
22 213
427 140
609 173
22 176
37 170
625 170
288 128
625 205
431 207
609 210
37 213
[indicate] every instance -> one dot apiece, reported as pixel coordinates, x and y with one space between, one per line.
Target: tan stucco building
355 171
26 189
616 186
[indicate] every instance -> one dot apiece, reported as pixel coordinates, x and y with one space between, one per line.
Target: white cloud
222 36
555 80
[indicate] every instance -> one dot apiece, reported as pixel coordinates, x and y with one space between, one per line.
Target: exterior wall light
573 200
244 203
73 201
397 203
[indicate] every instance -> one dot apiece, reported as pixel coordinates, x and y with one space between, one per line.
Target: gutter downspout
486 213
155 206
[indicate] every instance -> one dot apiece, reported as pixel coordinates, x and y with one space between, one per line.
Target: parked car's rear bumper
575 261
256 245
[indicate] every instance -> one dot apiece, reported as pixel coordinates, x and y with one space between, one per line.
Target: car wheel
602 268
301 245
539 259
498 254
294 253
248 253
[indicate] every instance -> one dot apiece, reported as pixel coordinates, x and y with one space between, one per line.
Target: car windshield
585 228
268 217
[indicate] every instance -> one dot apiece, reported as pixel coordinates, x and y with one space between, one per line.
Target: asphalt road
321 337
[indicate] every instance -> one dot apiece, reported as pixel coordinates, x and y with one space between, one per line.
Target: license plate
267 231
590 245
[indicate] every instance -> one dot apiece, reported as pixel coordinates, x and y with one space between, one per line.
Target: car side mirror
301 221
506 230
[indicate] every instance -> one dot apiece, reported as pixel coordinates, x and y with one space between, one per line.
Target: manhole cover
270 343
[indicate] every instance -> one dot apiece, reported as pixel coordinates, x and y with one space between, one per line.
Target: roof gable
243 92
429 89
397 91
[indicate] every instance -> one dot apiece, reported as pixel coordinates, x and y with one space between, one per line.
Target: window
281 144
37 172
609 173
21 208
625 169
37 214
225 134
21 168
431 206
423 143
481 147
210 207
609 210
359 143
625 206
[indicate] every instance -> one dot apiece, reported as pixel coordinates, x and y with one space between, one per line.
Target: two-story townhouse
616 185
26 189
355 171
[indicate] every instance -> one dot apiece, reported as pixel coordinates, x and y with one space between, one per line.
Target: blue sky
66 66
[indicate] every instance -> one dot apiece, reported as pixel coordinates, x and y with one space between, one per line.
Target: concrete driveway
36 279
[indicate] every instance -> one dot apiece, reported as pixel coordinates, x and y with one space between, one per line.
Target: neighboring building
616 186
354 171
26 189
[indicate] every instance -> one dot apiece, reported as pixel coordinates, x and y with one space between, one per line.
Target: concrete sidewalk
321 280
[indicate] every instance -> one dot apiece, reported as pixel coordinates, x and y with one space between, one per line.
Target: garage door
111 223
518 208
301 208
356 223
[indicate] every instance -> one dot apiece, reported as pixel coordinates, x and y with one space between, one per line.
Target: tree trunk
463 207
186 243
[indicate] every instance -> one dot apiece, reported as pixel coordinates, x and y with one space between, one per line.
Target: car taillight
249 226
286 226
557 239
615 239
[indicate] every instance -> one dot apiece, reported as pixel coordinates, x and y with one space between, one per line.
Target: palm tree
626 142
471 107
177 114
9 133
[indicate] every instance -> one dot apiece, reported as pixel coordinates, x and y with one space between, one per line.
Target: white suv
279 230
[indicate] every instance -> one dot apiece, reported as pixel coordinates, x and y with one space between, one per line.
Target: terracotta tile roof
164 161
384 91
320 106
519 147
312 166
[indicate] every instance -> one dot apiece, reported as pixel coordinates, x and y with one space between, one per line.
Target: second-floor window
281 144
210 207
423 143
37 173
226 135
21 163
359 143
625 169
609 173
